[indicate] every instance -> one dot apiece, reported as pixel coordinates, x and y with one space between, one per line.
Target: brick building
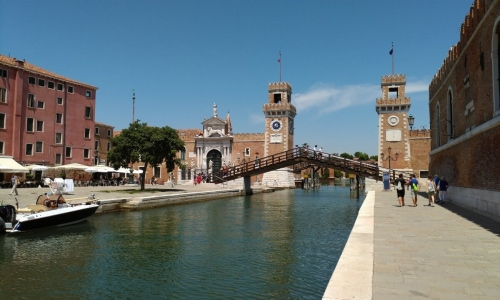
102 143
464 105
216 145
45 118
400 147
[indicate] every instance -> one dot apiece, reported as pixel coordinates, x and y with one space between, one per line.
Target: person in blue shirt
443 187
413 186
436 182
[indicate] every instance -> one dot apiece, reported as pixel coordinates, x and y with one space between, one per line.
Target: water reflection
277 245
37 261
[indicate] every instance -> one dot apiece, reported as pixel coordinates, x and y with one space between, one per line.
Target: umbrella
73 166
37 167
137 172
122 170
99 169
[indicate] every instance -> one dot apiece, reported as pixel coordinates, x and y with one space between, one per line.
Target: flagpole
279 60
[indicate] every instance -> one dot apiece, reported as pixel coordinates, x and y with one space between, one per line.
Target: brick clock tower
279 115
393 132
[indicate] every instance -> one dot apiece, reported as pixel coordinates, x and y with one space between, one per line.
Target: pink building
45 118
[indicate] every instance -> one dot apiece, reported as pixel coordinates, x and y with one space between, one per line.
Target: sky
180 57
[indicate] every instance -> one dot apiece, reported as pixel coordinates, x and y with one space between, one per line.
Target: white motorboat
49 211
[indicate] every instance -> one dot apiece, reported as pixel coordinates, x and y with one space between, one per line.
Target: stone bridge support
247 185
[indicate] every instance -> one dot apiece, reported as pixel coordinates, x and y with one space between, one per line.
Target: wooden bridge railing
299 158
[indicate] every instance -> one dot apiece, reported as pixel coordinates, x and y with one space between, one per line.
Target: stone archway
214 161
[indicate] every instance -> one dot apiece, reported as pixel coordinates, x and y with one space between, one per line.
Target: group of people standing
199 178
434 185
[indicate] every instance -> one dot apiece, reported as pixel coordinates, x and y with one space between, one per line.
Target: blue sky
180 57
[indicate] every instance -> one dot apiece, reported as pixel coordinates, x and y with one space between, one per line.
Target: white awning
72 166
37 167
9 165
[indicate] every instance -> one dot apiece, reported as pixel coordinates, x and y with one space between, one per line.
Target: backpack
400 187
415 187
431 186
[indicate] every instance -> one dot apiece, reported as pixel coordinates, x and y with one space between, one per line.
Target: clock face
276 125
393 120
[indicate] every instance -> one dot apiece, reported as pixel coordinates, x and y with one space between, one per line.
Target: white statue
211 131
215 109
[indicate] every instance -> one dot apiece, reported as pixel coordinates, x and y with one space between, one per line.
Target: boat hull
57 217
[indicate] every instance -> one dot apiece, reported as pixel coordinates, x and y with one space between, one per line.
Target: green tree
337 173
325 173
151 145
346 155
361 155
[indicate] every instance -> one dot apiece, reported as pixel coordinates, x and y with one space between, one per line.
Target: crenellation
393 101
470 24
282 85
393 78
248 136
420 133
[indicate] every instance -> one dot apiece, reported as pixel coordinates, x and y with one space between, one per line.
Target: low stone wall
132 203
108 205
483 202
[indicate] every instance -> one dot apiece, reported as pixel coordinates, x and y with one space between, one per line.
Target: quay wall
133 203
353 275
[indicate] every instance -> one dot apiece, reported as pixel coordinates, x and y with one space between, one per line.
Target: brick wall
470 157
420 145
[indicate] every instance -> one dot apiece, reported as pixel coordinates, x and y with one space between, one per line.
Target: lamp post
411 121
389 157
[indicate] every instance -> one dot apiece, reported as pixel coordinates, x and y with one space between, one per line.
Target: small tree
362 156
346 155
151 145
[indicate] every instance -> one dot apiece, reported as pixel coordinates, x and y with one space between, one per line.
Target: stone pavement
29 195
441 252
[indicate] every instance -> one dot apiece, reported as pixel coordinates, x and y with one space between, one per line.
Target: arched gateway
214 161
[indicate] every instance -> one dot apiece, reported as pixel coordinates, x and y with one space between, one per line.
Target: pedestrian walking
443 187
413 186
14 182
400 189
436 183
431 190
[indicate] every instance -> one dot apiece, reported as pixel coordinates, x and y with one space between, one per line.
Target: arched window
450 126
495 60
438 125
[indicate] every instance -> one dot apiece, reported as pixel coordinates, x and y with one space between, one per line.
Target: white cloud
417 87
329 98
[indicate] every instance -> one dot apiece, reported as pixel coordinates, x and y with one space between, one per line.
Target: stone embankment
113 198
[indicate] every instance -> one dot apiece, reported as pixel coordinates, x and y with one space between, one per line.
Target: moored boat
49 211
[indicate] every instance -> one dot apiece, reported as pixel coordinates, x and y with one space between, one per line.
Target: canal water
281 245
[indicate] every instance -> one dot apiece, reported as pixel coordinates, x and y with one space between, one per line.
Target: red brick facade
44 116
102 144
465 112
